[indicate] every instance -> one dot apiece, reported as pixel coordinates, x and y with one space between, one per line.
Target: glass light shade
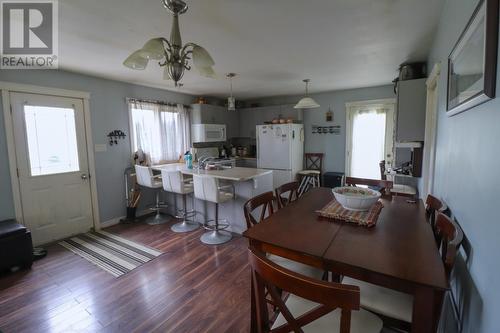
136 61
201 58
231 103
306 103
153 49
206 71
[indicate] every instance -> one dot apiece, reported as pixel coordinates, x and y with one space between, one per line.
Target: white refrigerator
280 148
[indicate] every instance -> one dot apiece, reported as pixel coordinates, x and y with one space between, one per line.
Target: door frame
349 107
431 116
10 87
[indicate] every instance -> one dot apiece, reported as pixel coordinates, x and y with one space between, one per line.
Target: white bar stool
145 178
174 182
207 188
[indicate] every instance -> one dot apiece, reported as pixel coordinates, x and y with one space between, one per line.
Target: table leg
427 305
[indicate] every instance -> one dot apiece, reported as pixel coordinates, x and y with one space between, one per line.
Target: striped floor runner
112 253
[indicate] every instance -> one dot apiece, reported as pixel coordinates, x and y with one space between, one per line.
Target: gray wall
467 167
333 146
108 112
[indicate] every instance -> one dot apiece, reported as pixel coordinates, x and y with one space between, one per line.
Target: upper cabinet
412 99
212 114
251 117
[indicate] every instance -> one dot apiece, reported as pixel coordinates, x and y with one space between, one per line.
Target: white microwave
208 133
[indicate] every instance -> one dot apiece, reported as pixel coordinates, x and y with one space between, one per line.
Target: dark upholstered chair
16 248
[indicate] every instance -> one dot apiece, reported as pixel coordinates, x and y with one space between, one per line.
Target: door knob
84 176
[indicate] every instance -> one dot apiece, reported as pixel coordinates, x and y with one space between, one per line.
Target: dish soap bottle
188 158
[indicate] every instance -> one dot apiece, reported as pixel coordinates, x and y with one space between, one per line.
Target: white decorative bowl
356 198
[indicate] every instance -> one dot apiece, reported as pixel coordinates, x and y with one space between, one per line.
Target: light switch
100 148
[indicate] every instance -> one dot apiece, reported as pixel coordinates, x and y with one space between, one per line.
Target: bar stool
207 188
145 178
311 176
174 182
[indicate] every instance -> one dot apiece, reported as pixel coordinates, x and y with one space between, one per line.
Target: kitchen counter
236 174
247 183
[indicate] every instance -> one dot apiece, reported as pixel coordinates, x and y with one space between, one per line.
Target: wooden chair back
385 186
450 236
432 206
293 194
314 161
265 202
270 277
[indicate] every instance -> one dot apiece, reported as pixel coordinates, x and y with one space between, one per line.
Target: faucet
202 162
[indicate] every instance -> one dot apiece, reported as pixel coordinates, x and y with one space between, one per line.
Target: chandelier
171 54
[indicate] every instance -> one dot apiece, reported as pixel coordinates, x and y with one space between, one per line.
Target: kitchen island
247 182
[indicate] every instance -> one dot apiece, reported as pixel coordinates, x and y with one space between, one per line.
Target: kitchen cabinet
251 117
246 162
212 114
411 109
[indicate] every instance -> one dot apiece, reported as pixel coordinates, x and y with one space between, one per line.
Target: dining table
399 252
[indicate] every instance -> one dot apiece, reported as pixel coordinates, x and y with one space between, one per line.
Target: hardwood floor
190 288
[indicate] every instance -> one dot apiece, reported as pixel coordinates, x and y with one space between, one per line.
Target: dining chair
319 305
433 206
281 194
383 186
311 175
264 205
396 307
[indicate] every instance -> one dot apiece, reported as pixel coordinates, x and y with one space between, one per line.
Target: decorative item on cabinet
329 115
114 136
326 129
201 100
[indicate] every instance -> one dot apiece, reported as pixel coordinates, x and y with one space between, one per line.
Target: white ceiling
271 44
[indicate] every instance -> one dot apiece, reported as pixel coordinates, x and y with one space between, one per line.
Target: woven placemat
334 210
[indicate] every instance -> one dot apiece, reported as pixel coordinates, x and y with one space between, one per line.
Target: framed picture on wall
472 64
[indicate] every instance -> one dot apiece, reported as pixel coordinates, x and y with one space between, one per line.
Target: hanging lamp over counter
231 101
307 102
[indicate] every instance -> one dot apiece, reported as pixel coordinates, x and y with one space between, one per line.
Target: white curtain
368 142
161 131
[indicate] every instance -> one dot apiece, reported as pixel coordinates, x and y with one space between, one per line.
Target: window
51 138
161 131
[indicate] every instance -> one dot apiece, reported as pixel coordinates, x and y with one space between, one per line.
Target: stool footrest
210 225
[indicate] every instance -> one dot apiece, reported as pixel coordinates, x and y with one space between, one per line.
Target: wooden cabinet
411 109
212 114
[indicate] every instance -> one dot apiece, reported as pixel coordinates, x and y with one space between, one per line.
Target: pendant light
306 102
231 101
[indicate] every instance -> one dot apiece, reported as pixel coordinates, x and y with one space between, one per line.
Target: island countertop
234 174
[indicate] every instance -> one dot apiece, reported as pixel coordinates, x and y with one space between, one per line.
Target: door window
51 140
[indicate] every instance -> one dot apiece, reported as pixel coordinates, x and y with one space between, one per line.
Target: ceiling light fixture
307 102
231 101
172 54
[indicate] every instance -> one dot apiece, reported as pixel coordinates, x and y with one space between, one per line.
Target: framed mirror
473 61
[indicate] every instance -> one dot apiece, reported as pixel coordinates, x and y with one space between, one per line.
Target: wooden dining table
399 253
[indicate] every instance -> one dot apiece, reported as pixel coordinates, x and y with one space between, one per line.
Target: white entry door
51 153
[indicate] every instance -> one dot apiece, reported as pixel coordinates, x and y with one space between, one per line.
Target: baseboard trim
117 220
